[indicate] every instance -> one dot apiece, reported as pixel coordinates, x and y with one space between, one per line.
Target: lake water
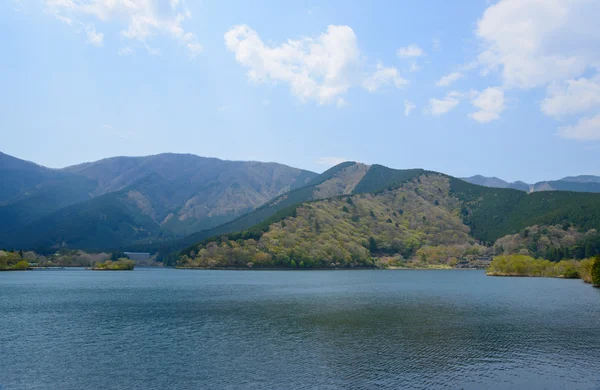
186 329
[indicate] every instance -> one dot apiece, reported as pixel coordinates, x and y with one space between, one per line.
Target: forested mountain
122 200
168 202
389 217
583 183
339 180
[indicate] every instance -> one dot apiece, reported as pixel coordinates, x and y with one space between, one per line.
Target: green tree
21 265
596 272
372 245
292 264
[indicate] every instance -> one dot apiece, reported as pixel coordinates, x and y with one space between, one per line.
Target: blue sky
507 88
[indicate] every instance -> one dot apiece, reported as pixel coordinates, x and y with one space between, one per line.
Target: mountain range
582 183
169 202
121 200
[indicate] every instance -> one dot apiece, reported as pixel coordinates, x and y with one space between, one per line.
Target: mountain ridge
581 183
180 193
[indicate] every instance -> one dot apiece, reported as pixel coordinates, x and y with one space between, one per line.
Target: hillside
339 180
174 195
348 231
389 217
20 176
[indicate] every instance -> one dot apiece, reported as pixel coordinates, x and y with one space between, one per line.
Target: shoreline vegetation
121 264
64 258
13 261
587 270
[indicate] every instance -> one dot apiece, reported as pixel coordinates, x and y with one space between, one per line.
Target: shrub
596 271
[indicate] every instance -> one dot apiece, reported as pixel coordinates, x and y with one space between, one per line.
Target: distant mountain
387 217
121 200
487 181
20 176
584 183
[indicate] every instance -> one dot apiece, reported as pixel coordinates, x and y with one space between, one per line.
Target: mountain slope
20 176
393 214
177 195
338 180
347 231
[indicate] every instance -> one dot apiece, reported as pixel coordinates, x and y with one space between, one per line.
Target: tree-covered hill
473 214
347 231
338 180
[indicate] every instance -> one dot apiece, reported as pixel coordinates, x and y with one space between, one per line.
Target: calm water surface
185 329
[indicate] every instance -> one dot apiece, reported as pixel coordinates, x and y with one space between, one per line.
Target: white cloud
341 103
438 107
546 43
586 129
221 108
93 37
320 69
411 51
142 19
437 43
490 103
124 51
535 42
449 79
383 76
408 107
572 97
414 67
331 161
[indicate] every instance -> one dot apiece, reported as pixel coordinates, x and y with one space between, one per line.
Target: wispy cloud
449 79
411 51
442 106
142 20
408 107
490 104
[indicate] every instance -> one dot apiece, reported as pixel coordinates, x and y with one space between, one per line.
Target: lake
191 329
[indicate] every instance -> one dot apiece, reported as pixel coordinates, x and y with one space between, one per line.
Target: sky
507 88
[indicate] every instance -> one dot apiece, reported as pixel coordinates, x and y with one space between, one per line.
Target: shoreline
512 275
325 269
24 269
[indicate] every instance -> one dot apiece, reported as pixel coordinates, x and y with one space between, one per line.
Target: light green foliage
12 261
523 265
551 242
21 265
322 234
595 272
119 265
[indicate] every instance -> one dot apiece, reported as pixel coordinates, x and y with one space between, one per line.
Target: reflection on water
157 329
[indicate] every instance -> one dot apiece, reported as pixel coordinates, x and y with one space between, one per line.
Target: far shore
324 269
17 269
